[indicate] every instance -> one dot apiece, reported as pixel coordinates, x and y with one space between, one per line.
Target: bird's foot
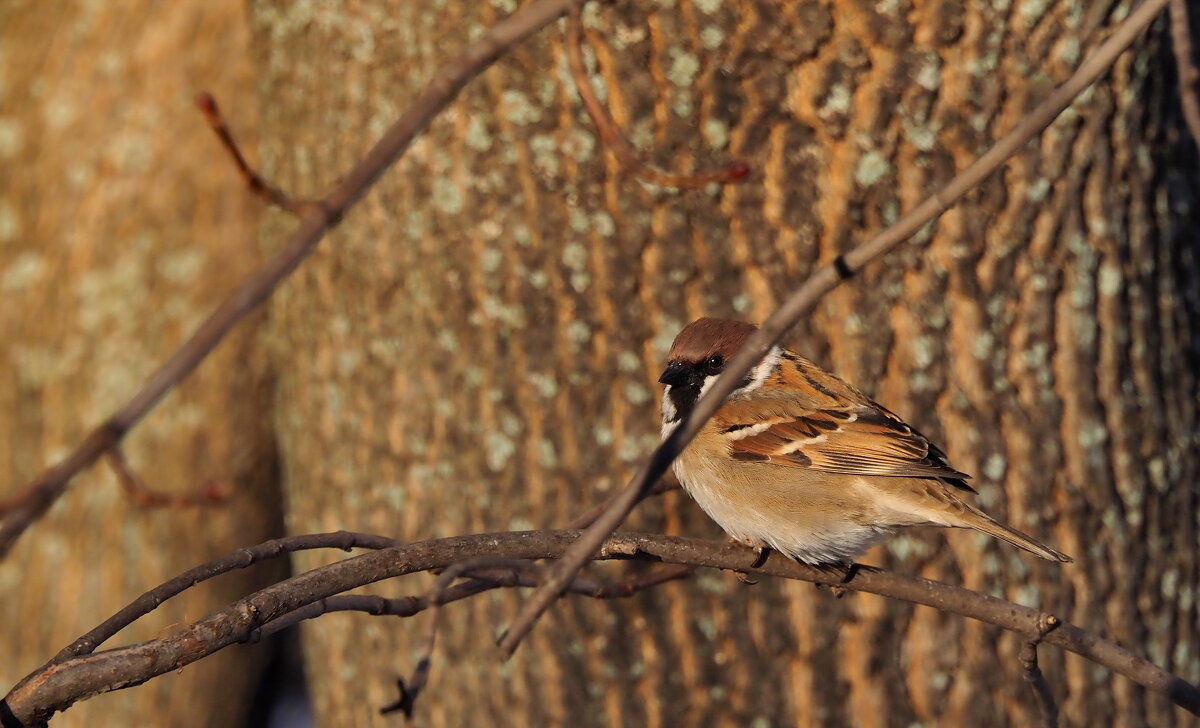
760 558
848 571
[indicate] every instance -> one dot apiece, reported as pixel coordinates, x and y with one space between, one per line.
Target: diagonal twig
667 482
410 689
262 189
804 299
612 137
1189 76
32 502
210 492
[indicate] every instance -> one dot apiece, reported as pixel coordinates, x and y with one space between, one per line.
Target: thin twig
612 137
240 559
410 689
57 685
479 582
1047 708
210 492
269 193
32 502
1189 76
804 299
667 482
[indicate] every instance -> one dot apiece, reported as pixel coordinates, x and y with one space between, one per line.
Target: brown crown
705 337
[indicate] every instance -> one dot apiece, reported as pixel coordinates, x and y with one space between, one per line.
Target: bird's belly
798 513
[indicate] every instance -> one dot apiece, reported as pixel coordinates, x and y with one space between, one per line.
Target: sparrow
798 461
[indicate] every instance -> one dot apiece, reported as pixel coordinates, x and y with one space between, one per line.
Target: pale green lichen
1110 280
1092 434
684 67
627 361
12 138
681 104
1067 51
994 467
628 450
707 6
182 266
547 454
742 303
662 340
928 75
22 272
544 384
637 393
477 136
446 196
836 102
580 144
603 224
518 109
579 222
602 435
871 168
712 37
1030 11
545 154
1029 595
490 260
510 424
921 136
348 360
1037 191
923 351
578 332
497 450
715 133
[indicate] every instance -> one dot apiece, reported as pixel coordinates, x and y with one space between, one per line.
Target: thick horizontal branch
60 684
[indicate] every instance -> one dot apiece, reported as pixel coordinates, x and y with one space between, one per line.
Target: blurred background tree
475 347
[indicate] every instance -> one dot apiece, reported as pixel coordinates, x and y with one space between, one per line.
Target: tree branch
1047 708
56 686
1181 44
804 299
258 186
32 502
612 138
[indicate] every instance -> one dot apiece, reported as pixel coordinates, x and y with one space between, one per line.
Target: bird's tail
983 522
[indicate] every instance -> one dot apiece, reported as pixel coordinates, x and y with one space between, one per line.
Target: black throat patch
684 397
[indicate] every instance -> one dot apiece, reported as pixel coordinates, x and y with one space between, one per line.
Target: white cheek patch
759 374
669 413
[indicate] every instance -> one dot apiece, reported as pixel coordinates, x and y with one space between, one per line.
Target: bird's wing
859 439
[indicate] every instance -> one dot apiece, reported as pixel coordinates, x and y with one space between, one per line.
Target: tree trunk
475 348
121 221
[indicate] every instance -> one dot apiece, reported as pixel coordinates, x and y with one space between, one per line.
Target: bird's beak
676 373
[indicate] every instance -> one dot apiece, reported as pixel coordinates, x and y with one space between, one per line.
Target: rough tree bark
120 222
476 348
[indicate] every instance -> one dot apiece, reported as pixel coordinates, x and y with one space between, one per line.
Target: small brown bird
801 462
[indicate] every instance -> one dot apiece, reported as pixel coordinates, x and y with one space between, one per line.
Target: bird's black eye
715 363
